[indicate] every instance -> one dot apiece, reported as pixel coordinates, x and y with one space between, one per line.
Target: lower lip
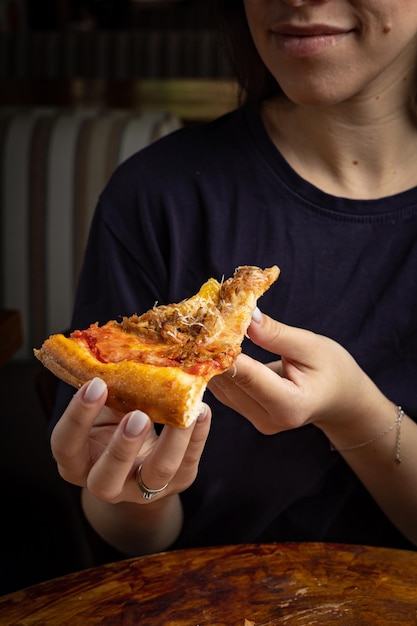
307 46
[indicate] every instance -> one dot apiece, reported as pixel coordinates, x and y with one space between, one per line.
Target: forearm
317 381
393 485
133 528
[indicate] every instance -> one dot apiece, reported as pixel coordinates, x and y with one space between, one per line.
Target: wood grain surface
292 584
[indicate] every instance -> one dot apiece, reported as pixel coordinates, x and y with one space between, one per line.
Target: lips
312 30
302 41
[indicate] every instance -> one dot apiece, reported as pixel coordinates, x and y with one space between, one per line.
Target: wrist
135 528
396 426
363 417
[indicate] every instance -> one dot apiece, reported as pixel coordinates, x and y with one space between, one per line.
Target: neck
362 150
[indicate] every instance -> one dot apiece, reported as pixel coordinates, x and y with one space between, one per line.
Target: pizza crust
167 394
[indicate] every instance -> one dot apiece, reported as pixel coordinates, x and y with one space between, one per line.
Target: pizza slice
161 361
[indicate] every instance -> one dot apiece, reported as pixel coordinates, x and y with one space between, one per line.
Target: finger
294 343
107 476
255 391
257 381
189 466
237 399
70 435
176 447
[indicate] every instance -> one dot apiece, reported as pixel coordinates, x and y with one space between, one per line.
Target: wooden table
291 584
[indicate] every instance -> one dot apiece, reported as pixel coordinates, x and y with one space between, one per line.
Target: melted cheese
201 335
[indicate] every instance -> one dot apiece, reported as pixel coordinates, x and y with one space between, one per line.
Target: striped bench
53 164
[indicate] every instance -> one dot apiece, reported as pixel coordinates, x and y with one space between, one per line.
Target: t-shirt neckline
404 201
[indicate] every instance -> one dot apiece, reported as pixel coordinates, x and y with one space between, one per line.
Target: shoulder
185 147
179 173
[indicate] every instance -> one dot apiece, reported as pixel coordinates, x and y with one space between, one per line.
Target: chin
314 97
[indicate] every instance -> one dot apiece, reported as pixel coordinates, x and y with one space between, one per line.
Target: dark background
40 534
123 14
38 538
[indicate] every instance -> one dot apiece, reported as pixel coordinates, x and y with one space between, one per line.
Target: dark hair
255 80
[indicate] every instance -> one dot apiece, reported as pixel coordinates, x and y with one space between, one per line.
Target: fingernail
203 414
94 390
136 423
257 316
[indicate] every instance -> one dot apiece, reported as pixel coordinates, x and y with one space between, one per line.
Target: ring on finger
147 492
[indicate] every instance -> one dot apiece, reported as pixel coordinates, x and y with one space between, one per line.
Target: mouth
312 30
300 41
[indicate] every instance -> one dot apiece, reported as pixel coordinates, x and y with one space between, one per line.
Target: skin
96 448
100 450
349 130
313 384
346 126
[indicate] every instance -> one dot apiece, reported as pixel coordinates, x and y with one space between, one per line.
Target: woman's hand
316 380
100 450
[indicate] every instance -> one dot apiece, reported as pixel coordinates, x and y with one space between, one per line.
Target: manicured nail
136 423
257 316
203 414
94 390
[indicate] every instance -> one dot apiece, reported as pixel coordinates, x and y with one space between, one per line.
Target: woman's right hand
100 449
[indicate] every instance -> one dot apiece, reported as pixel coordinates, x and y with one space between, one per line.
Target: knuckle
103 488
67 474
162 473
274 328
244 378
158 473
104 493
191 458
61 454
118 453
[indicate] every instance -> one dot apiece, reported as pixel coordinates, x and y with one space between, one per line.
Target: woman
316 174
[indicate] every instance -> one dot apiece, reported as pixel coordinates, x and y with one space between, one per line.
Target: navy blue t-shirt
207 199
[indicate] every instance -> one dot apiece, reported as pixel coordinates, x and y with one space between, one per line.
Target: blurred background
83 84
109 39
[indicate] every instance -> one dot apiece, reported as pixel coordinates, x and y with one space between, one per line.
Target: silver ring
147 492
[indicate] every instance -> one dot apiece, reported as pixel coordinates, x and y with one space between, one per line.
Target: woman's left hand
312 382
317 381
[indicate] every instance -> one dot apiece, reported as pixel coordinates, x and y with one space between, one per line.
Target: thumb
291 342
